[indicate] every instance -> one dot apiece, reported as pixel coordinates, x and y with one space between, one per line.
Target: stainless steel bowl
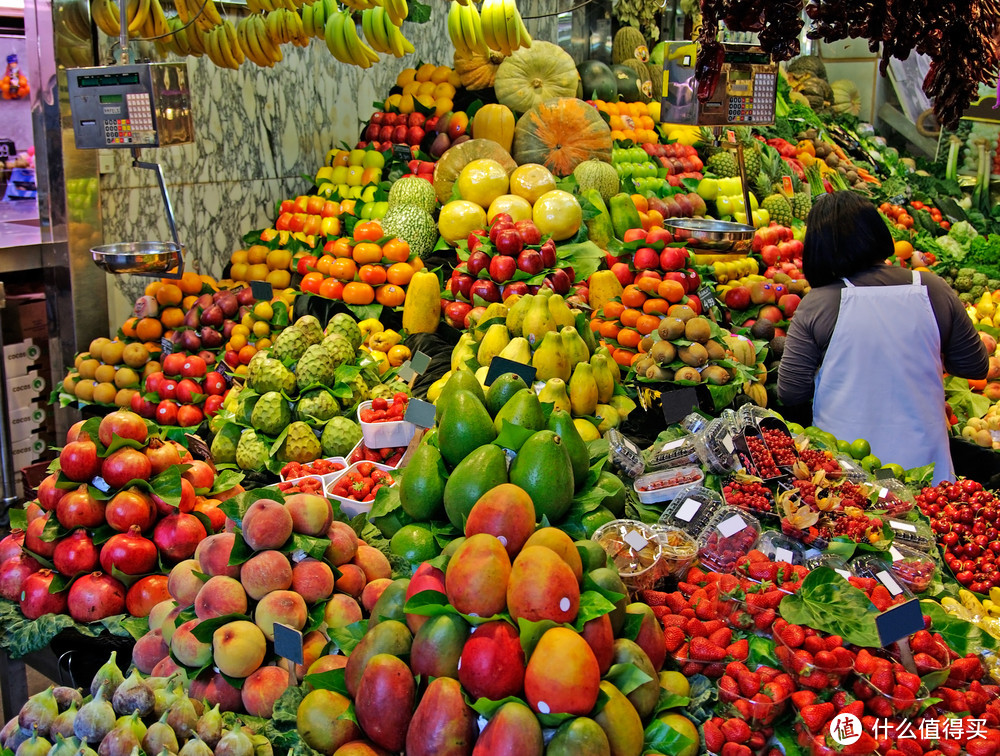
712 236
137 257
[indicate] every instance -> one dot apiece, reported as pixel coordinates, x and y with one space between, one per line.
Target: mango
592 554
421 491
389 637
561 423
597 633
390 604
562 676
505 511
610 581
443 724
513 731
615 501
385 701
465 426
318 720
524 409
501 390
620 723
483 469
542 586
579 737
477 575
544 470
561 544
650 635
492 664
438 645
460 380
646 696
427 577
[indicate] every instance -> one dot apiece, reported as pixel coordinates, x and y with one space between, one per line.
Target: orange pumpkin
560 134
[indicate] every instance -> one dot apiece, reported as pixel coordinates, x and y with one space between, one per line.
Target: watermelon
629 85
597 81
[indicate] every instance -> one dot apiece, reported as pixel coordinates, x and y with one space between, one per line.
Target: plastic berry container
763 460
353 508
914 534
381 435
636 551
327 478
758 710
732 533
681 451
803 667
781 548
663 485
833 561
624 454
852 469
871 566
892 497
760 501
716 446
749 416
315 485
695 422
679 550
779 442
912 568
691 509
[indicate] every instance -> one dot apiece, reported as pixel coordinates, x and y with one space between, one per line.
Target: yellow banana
395 37
458 39
486 25
320 17
196 39
361 53
333 33
105 15
525 36
398 10
138 16
243 40
212 13
271 51
472 29
160 26
253 42
231 44
307 19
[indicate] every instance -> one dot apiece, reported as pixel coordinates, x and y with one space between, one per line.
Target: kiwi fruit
642 364
716 375
798 286
777 347
694 355
681 311
715 350
698 329
762 329
646 345
656 373
687 374
663 352
671 328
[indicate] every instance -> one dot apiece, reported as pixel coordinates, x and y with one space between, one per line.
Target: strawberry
902 698
736 749
833 641
883 681
762 571
793 636
739 650
909 746
673 639
926 663
672 620
681 654
816 679
907 679
749 684
881 598
714 739
675 601
802 698
813 644
866 744
844 657
864 663
880 706
825 660
728 584
735 668
815 716
857 708
735 731
721 637
696 575
801 661
976 747
653 598
696 628
706 609
702 649
714 671
764 619
950 747
712 626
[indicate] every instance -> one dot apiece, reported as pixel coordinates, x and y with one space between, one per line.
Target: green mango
646 696
616 501
480 471
523 409
579 737
501 390
592 554
561 423
464 427
609 580
543 468
421 490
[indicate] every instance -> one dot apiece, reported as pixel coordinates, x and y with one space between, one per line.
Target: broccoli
963 282
979 279
976 292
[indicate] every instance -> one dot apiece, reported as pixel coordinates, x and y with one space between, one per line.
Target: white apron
869 386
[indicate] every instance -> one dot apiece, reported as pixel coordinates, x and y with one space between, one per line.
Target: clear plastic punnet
663 485
624 454
716 447
691 509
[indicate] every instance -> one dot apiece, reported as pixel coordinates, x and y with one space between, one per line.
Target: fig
119 742
196 747
133 695
63 724
96 718
38 713
66 696
36 745
209 728
235 742
108 678
160 737
181 715
64 746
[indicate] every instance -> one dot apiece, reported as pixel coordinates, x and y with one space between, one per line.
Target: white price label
783 555
843 573
894 553
673 444
886 579
905 526
727 441
688 510
731 526
635 540
848 466
883 492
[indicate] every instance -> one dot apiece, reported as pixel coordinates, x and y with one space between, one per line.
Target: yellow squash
496 123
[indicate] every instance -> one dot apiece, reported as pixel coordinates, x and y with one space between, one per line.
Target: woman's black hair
844 235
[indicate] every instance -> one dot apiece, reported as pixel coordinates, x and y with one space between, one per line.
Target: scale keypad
757 107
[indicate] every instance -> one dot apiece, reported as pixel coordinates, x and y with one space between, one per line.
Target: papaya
385 701
562 676
513 731
422 305
437 646
389 637
443 723
492 664
620 722
483 469
579 737
477 575
505 511
624 214
604 286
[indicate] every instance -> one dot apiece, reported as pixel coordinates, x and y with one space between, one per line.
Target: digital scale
745 95
129 106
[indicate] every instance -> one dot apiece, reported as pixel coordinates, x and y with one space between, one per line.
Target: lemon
482 181
459 218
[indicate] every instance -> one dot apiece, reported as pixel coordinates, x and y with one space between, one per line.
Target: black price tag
884 473
900 622
406 373
707 297
288 643
420 413
501 365
678 403
420 362
167 346
262 290
402 152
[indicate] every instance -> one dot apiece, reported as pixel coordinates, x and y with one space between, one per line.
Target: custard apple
359 390
255 362
243 407
289 345
271 415
316 405
251 451
311 328
340 435
347 327
224 443
387 390
339 349
300 444
315 367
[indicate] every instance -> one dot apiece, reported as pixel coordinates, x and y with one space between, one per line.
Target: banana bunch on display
503 29
343 42
465 27
985 614
207 19
179 41
266 6
314 16
223 47
383 34
360 5
398 10
254 39
105 14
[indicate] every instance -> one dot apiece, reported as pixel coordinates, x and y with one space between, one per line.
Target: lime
593 520
860 448
844 447
870 462
415 543
452 547
795 428
897 470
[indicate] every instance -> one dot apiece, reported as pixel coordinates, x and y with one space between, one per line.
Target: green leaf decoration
827 602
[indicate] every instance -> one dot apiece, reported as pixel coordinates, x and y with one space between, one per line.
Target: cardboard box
26 317
24 391
27 450
17 358
27 422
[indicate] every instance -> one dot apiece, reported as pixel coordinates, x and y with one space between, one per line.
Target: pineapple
723 164
751 150
801 204
778 208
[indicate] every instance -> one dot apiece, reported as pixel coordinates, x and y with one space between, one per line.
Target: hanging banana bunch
223 47
343 42
105 14
503 29
465 27
382 34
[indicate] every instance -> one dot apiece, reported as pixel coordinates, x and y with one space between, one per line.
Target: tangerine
399 273
311 281
630 317
331 288
366 252
396 250
344 269
372 274
633 296
358 293
390 295
149 329
629 338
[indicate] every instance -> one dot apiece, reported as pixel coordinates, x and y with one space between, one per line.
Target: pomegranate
130 507
11 545
48 494
13 573
95 596
124 424
124 465
32 511
200 474
33 537
78 460
186 503
177 535
76 432
162 455
35 599
75 554
129 553
78 509
145 594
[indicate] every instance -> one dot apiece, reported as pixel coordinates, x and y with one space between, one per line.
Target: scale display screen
108 80
110 99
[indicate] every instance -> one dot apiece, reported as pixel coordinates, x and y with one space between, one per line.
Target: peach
238 648
159 612
170 623
266 525
313 645
220 596
165 668
213 555
371 593
352 580
327 663
988 341
182 584
149 650
265 572
311 514
341 610
343 543
187 649
286 607
992 390
313 580
373 562
213 688
262 688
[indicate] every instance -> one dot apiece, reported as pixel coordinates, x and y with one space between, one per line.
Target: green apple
357 157
708 188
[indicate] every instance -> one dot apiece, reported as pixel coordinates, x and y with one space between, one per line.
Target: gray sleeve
963 351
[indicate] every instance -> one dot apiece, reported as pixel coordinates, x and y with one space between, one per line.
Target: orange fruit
246 353
358 293
149 329
399 273
630 317
342 247
172 317
613 310
630 338
648 284
331 288
640 202
609 329
324 263
169 294
366 252
396 250
390 295
624 357
190 283
655 306
372 274
311 281
152 288
903 249
670 290
368 231
647 324
344 269
128 328
633 296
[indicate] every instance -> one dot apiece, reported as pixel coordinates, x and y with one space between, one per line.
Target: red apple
694 302
486 290
548 253
399 134
559 281
385 133
673 258
658 234
476 262
475 240
508 242
416 119
502 268
455 313
646 258
474 316
772 313
693 279
529 231
514 287
635 234
464 284
530 261
415 135
501 218
737 298
770 254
